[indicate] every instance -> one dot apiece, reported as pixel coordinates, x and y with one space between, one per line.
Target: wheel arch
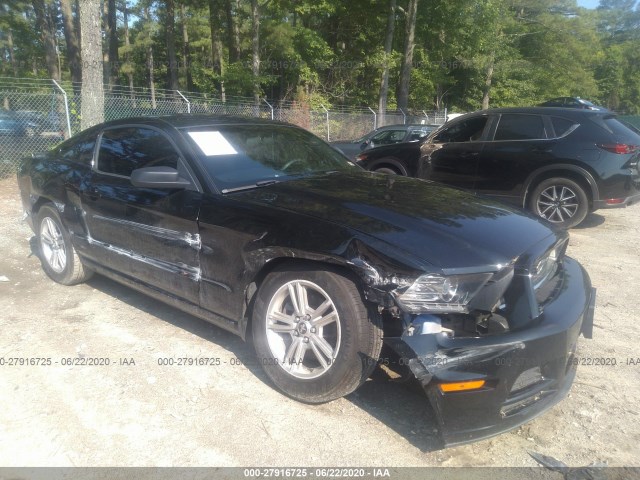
572 172
258 278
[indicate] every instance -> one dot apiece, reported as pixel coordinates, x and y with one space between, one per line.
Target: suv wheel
560 201
313 334
59 259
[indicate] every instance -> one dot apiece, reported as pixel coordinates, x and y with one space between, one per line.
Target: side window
388 136
123 150
416 135
561 125
520 127
465 131
80 150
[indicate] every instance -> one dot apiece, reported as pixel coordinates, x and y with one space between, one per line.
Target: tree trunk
152 83
12 59
72 40
255 51
114 67
172 77
388 45
91 48
186 51
107 34
47 29
127 44
231 7
216 43
407 59
486 90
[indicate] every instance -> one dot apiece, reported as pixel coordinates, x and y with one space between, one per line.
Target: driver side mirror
158 177
365 144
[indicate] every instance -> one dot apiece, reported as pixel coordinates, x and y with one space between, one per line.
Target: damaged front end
492 347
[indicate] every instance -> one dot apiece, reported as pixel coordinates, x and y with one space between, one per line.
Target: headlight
442 294
546 266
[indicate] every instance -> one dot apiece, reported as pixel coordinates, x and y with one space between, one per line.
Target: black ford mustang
265 230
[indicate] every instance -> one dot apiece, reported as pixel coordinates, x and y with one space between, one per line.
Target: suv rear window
514 126
623 133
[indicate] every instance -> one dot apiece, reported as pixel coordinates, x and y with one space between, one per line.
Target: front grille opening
526 379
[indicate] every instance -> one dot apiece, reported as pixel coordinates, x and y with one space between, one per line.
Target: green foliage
330 52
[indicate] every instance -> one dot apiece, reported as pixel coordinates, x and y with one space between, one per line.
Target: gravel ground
136 412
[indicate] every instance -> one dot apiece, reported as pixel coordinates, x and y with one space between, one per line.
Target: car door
520 144
148 234
450 156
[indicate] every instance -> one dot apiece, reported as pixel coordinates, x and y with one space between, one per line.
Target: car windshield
363 138
245 156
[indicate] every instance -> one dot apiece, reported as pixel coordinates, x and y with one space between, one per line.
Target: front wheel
561 201
313 334
57 255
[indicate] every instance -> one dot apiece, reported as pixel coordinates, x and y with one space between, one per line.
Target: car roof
191 120
405 125
565 111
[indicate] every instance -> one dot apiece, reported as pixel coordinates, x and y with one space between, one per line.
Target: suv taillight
621 148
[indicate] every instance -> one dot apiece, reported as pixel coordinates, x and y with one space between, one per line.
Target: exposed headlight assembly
432 293
547 265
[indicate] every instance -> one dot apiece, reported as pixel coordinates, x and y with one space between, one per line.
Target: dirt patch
137 412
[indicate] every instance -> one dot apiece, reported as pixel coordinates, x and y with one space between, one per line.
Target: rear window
520 127
622 132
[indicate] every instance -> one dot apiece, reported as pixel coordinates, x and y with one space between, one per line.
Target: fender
595 194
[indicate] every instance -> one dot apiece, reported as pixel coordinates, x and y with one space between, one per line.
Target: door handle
541 150
469 154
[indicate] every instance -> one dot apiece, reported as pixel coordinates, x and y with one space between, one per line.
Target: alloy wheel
52 245
303 329
557 203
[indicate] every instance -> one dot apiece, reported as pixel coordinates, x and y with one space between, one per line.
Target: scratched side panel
148 234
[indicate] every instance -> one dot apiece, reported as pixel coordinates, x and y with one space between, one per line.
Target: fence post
327 115
404 116
445 115
270 107
375 118
66 106
186 100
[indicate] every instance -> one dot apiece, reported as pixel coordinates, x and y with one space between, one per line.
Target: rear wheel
57 255
313 334
561 201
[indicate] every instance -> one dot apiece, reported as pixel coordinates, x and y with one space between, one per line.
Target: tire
387 170
315 362
560 201
57 254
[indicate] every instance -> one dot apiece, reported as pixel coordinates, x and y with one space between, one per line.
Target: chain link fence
37 114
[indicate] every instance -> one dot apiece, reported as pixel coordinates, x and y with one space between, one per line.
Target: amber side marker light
461 386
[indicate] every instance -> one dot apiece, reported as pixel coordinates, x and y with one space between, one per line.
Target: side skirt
187 307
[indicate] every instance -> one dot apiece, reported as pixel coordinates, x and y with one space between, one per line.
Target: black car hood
446 227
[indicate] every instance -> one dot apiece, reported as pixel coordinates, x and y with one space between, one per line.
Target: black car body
528 156
386 135
226 219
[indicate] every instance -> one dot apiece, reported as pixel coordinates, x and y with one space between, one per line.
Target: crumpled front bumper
525 371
